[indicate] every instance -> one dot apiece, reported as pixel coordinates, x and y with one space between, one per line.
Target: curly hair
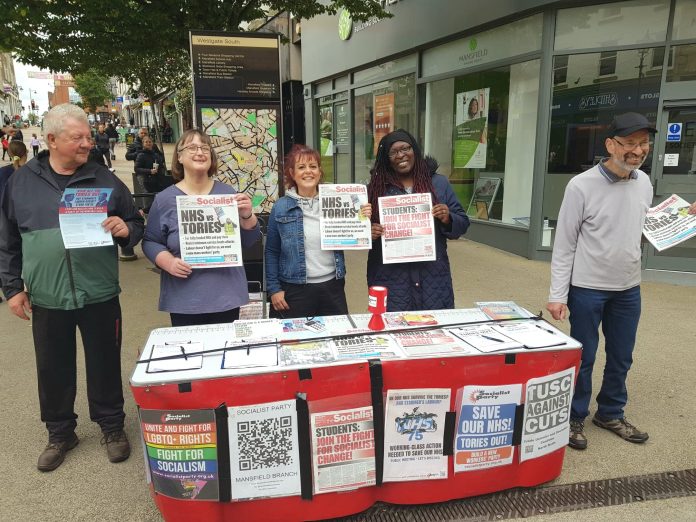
297 152
382 174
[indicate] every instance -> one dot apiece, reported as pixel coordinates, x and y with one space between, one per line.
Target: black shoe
54 453
117 446
131 257
577 439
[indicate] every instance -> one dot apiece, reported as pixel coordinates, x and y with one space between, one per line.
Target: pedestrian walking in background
61 296
5 145
101 139
18 155
303 280
596 271
112 133
35 145
400 168
17 135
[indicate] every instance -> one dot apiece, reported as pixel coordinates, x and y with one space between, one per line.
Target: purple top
206 290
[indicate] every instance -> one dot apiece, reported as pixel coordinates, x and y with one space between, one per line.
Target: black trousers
227 316
55 345
313 299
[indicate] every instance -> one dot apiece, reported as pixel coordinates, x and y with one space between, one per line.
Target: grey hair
54 121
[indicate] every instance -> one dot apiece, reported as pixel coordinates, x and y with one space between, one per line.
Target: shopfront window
380 109
683 66
582 109
480 127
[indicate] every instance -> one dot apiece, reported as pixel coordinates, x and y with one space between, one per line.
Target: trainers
577 439
128 258
117 446
622 428
54 453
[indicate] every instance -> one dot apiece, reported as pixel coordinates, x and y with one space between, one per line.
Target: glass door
675 173
341 140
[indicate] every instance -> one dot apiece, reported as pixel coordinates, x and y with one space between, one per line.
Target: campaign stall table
316 418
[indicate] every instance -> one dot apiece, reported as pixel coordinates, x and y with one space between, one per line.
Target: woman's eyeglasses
395 153
192 149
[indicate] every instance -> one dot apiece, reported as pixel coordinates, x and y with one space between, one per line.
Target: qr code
529 448
264 443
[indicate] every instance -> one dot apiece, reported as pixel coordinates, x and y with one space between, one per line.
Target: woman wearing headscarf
400 168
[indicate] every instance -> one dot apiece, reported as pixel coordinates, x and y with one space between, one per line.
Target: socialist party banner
209 230
546 414
181 448
264 455
414 421
409 229
343 449
342 224
485 426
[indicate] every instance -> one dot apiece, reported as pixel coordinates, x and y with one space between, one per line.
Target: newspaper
343 449
342 225
209 230
409 229
80 216
669 223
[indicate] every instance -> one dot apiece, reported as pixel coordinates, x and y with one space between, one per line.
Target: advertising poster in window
485 426
343 449
482 200
181 448
471 124
384 116
546 414
413 424
409 229
342 223
209 230
264 454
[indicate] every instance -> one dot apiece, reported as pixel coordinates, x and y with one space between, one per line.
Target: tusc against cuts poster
264 454
209 231
408 228
414 421
342 224
485 426
343 449
546 414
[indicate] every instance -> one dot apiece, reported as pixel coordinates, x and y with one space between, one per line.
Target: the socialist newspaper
80 216
669 223
209 230
546 414
414 422
343 449
409 229
343 227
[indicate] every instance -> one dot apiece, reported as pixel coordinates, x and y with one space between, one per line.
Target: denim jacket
285 249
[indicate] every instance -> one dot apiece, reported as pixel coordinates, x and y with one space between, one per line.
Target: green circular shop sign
473 44
345 25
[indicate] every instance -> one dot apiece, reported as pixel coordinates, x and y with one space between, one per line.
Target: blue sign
674 131
119 99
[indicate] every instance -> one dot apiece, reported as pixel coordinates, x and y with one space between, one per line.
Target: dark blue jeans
618 312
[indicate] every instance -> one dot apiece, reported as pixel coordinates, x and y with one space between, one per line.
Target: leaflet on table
80 216
484 338
306 328
485 426
367 346
264 454
414 421
209 230
531 334
182 357
305 353
182 454
409 229
262 352
432 317
497 310
546 414
343 449
256 329
669 223
342 225
422 343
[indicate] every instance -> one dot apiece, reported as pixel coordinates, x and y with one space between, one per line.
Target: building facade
10 103
512 100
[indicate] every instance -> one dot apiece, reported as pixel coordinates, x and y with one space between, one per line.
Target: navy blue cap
625 124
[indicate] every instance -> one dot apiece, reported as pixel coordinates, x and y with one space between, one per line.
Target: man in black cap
595 271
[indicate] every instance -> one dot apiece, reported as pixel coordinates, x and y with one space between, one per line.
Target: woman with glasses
303 280
399 169
202 296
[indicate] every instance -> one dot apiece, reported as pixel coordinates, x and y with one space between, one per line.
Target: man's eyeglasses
192 149
645 145
394 153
